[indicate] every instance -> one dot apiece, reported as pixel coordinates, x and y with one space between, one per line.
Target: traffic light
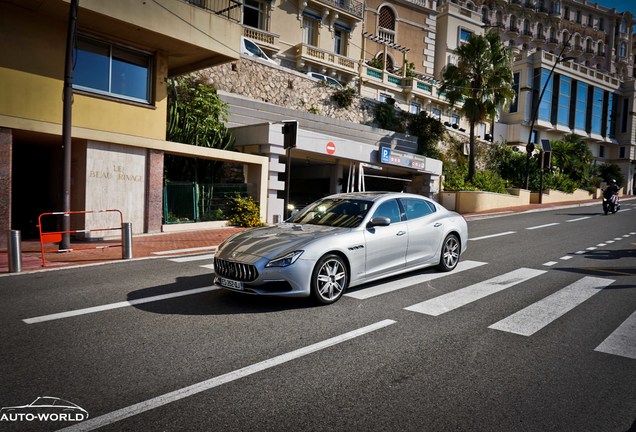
290 133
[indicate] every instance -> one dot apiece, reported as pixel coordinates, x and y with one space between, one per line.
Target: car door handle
401 233
437 225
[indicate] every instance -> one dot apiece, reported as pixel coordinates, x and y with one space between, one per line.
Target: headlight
286 260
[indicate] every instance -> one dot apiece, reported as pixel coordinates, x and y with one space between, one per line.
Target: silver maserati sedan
342 241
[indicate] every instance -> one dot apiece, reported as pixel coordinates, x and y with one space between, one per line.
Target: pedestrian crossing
525 322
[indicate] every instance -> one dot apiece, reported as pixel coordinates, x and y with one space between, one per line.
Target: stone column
154 191
6 146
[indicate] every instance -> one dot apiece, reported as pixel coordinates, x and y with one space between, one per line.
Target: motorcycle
610 203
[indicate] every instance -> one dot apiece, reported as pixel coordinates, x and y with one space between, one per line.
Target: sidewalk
185 242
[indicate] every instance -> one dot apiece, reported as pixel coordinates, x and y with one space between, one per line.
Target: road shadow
216 301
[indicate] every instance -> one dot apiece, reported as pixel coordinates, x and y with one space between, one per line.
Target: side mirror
379 221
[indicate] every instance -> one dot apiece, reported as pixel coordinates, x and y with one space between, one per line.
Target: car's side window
416 208
389 209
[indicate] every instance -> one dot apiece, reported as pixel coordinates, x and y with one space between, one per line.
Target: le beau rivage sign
391 156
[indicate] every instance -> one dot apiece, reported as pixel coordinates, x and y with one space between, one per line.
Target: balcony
350 7
512 32
325 59
264 39
230 9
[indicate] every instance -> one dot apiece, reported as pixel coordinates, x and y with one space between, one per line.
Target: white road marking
579 219
601 245
533 318
622 342
192 258
94 309
591 248
453 300
566 257
550 263
384 288
579 252
147 405
195 249
493 235
609 241
542 226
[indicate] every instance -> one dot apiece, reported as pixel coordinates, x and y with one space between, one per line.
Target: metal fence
186 202
230 9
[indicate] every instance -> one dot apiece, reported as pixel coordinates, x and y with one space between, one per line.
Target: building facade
573 72
124 53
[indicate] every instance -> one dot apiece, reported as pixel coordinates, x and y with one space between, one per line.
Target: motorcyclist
610 195
611 189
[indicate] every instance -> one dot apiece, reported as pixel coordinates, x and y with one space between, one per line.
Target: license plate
228 283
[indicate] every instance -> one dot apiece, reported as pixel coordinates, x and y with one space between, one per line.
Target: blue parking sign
385 155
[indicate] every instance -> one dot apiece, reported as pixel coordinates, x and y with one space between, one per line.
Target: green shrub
344 97
243 212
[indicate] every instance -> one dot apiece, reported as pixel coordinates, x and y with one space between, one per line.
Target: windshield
335 212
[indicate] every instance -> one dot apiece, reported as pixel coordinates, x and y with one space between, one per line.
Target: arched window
386 23
485 15
622 49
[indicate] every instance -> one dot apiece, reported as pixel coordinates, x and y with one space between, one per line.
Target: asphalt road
536 331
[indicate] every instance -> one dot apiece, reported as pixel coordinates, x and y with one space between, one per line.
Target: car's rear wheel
450 253
329 279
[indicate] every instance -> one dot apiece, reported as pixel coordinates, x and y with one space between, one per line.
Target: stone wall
285 87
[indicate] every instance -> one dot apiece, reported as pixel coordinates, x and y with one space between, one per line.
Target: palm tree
481 80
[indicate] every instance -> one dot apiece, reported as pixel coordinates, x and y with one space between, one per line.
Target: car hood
272 242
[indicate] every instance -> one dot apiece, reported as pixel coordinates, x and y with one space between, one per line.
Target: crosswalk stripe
384 288
622 341
192 258
533 318
453 300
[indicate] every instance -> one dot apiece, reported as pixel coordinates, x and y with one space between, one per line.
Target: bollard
15 252
126 241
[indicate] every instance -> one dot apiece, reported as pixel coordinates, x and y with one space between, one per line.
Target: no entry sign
331 148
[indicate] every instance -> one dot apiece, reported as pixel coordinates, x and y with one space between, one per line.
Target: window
389 209
386 23
622 49
436 114
601 151
597 110
464 35
545 108
416 208
112 70
414 108
621 152
384 97
624 115
580 111
610 124
338 42
310 32
565 94
514 105
601 24
254 14
454 119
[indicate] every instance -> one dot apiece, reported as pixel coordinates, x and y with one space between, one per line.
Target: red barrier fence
56 236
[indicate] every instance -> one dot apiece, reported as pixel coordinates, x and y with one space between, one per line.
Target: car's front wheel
450 253
329 279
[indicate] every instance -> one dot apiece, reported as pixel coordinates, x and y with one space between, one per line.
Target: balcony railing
326 58
352 7
261 36
230 9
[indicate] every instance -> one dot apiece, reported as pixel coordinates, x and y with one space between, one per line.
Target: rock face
285 87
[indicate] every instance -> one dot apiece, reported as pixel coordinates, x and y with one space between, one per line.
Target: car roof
375 195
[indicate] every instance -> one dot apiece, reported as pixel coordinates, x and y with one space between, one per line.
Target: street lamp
535 112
